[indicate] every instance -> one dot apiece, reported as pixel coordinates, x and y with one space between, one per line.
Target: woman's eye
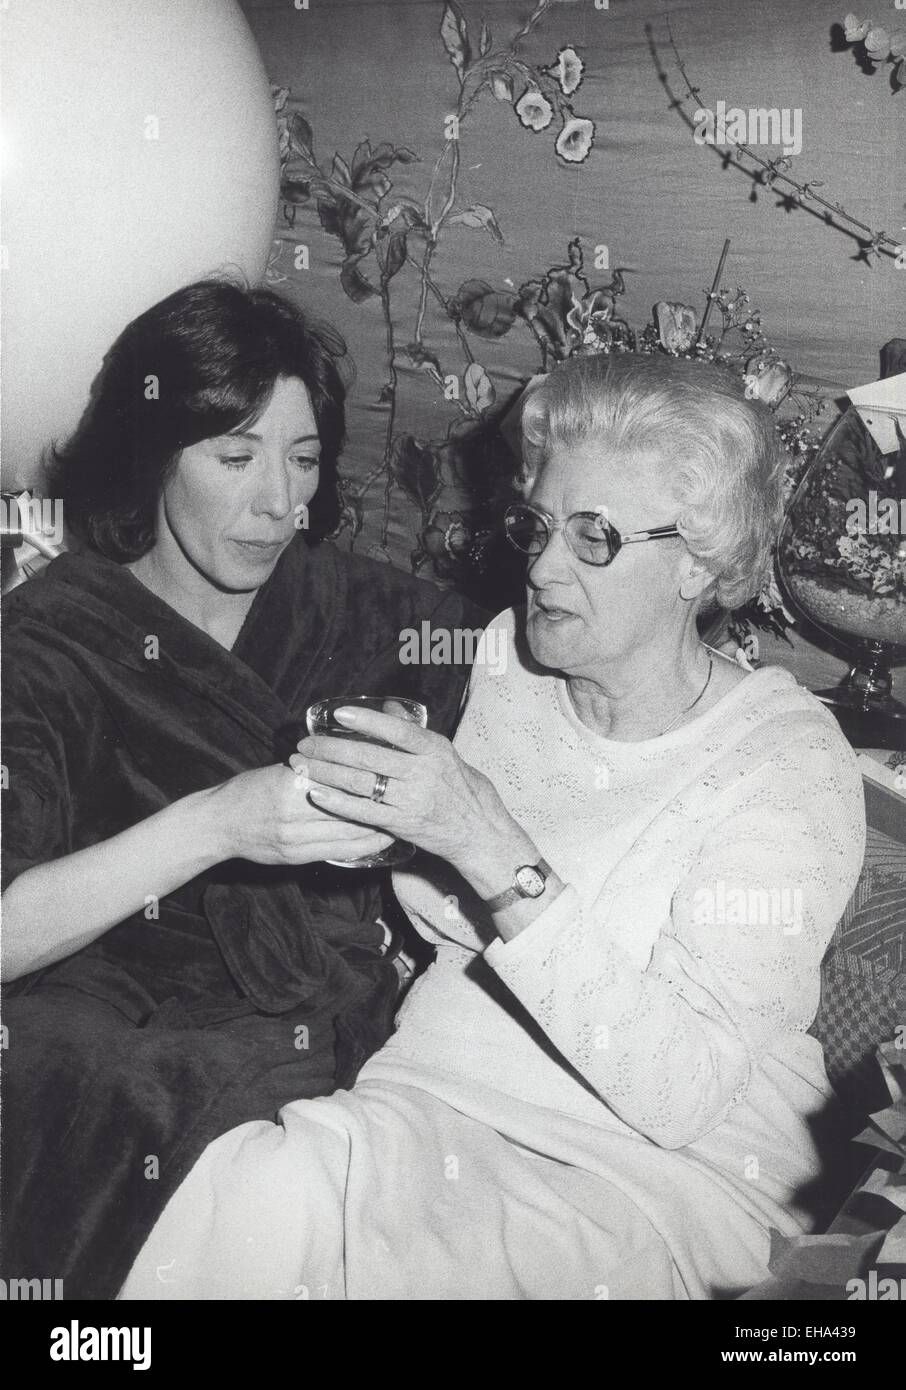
305 461
235 460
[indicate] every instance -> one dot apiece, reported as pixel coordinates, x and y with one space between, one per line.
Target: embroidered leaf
416 468
424 359
371 173
341 171
301 138
484 44
351 513
322 189
352 224
574 252
354 282
392 254
455 34
329 216
502 86
488 312
479 216
295 190
411 214
375 183
480 391
361 157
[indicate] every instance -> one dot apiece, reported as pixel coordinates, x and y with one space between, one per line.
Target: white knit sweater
624 1089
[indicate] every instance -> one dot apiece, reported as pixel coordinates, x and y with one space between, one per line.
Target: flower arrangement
843 551
846 544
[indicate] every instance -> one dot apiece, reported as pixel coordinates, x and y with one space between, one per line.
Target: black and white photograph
453 661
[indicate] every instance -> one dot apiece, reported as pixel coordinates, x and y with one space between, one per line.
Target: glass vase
842 561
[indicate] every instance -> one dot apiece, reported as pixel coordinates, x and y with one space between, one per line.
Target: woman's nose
555 563
274 497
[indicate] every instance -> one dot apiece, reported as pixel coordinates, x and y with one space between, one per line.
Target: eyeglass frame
616 538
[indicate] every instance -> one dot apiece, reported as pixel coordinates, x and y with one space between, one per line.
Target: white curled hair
722 452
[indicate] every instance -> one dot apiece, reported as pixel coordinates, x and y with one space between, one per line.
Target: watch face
529 882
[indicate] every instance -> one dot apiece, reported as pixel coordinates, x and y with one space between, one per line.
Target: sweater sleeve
736 963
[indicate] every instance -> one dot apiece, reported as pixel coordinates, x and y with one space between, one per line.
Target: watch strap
514 893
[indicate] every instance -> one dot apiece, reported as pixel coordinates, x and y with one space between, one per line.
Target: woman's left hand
432 798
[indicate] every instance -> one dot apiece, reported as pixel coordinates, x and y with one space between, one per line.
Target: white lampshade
139 153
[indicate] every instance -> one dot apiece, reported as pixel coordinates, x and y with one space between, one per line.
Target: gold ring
380 786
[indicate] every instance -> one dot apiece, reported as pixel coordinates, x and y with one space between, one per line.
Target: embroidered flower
877 43
501 86
854 28
589 319
677 326
534 110
575 139
568 70
767 381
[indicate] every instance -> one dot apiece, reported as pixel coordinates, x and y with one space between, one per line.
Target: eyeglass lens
590 537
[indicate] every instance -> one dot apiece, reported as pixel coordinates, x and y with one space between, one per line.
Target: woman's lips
262 549
551 613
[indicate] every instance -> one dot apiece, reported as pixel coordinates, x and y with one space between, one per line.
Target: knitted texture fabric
620 1098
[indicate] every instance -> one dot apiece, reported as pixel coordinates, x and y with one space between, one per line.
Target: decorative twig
878 242
435 290
533 19
715 286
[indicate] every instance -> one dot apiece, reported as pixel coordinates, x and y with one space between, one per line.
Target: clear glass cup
320 718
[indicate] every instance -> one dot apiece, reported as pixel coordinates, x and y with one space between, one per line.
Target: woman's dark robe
247 988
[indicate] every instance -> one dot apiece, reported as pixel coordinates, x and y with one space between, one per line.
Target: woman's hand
54 909
432 797
266 816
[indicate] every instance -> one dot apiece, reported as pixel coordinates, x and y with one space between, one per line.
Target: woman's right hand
52 910
266 816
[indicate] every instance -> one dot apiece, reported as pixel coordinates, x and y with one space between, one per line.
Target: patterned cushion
863 977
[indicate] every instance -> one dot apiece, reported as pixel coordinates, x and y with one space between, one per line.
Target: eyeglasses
589 535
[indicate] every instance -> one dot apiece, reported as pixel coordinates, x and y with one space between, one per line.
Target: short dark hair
216 349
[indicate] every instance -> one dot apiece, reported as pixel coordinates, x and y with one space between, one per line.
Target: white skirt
387 1192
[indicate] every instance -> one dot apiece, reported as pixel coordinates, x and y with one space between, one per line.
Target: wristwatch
529 881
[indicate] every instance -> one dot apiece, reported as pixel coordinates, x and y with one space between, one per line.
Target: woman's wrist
494 856
210 822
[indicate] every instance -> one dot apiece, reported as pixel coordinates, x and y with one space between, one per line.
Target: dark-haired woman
177 956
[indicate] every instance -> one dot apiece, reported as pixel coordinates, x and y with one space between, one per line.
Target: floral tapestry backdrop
473 191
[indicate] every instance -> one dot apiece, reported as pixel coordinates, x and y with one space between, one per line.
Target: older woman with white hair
634 856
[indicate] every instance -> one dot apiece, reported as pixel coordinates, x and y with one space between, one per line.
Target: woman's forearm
489 866
53 909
